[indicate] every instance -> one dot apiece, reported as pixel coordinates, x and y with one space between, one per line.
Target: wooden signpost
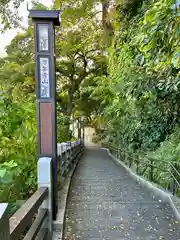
44 35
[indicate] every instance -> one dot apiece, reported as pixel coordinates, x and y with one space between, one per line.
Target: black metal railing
147 167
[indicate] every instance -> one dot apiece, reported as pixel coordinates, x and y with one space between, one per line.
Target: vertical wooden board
4 222
46 128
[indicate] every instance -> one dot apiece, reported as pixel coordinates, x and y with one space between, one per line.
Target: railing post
83 137
4 222
45 180
72 156
124 157
137 166
116 152
174 177
151 170
174 187
130 161
79 128
59 168
79 151
67 160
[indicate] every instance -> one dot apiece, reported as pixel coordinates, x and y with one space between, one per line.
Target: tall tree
80 54
103 11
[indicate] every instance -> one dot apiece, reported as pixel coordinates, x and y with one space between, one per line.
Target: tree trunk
69 112
105 19
70 102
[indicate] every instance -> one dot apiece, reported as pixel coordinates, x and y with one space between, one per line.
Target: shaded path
104 203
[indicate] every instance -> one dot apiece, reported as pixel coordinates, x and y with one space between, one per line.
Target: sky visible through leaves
6 38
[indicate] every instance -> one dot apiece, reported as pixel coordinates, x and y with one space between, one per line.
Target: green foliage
128 7
9 13
80 58
18 155
18 158
168 151
144 79
142 91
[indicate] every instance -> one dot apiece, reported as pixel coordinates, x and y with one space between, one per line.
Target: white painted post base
45 180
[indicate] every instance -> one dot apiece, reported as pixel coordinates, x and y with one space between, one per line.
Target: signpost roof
50 15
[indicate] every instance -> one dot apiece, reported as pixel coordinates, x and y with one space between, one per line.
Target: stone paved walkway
105 203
